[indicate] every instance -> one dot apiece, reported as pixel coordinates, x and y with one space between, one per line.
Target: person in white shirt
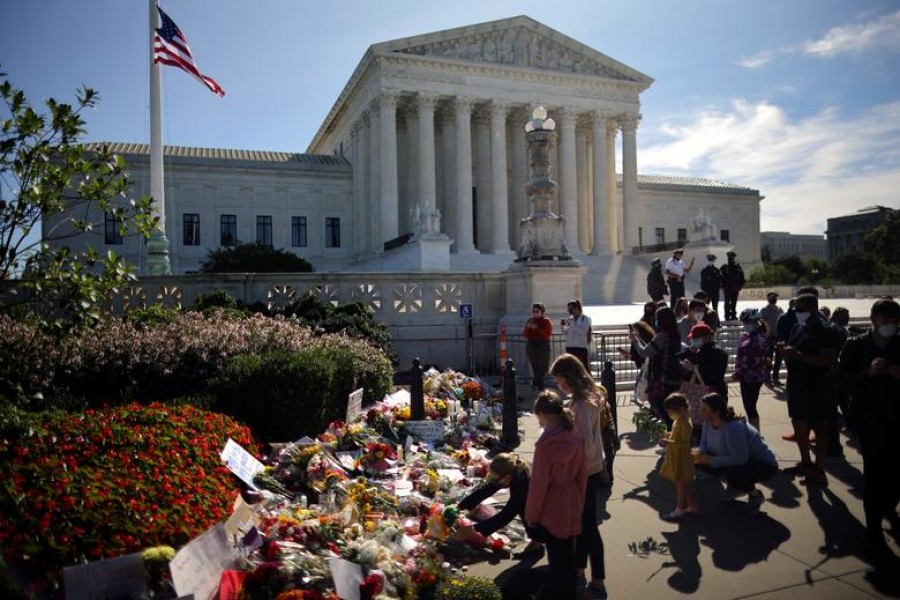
578 333
675 272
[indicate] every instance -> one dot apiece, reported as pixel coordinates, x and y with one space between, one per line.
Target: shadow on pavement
735 538
523 581
638 441
783 491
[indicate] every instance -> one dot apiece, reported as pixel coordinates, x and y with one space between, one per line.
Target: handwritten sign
240 462
120 577
354 405
429 431
197 568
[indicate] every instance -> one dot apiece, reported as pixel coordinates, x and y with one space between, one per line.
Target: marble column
499 185
519 173
584 202
569 179
464 219
373 188
600 184
615 205
484 237
359 177
447 201
427 182
631 209
387 120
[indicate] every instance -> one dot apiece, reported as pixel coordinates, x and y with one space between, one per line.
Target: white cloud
882 32
808 169
760 59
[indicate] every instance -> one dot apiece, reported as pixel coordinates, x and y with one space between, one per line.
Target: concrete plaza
805 543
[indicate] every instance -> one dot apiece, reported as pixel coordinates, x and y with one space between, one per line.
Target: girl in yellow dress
679 464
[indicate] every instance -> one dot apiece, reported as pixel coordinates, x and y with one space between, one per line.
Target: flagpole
158 244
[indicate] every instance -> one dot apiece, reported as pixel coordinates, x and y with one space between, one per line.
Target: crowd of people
832 380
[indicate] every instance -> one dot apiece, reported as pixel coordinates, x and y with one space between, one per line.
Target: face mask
801 317
887 331
698 316
697 342
749 327
712 263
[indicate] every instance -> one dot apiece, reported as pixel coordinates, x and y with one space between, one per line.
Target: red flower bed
109 482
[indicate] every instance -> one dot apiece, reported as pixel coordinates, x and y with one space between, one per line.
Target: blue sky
800 98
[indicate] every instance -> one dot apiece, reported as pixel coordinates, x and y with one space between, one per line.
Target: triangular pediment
517 42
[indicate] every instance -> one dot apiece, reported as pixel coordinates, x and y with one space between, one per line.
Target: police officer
732 282
711 281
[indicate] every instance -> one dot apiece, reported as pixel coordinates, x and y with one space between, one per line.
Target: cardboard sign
197 568
354 405
429 431
243 518
240 462
120 577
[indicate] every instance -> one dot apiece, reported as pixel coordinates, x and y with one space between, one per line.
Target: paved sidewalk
804 543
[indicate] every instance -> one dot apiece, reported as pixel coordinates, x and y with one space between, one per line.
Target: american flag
171 48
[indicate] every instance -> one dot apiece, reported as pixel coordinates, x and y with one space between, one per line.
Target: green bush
105 483
254 258
284 395
352 318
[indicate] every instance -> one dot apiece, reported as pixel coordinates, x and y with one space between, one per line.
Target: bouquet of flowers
374 457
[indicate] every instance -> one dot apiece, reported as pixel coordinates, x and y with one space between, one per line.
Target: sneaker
675 515
754 502
731 493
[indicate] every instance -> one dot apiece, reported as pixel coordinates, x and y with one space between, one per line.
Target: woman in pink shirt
556 494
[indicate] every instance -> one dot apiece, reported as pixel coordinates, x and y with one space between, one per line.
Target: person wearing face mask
870 366
732 282
771 312
696 313
711 317
578 333
710 360
675 272
810 353
750 362
711 281
656 282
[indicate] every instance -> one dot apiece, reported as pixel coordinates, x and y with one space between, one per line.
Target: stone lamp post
541 232
544 270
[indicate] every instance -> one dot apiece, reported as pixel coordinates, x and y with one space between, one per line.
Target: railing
656 248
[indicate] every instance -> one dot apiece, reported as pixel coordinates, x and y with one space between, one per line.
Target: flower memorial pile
356 508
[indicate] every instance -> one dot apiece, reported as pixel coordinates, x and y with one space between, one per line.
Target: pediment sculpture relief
519 47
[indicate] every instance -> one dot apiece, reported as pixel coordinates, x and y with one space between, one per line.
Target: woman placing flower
506 471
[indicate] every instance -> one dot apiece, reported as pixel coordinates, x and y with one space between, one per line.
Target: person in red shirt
538 330
557 491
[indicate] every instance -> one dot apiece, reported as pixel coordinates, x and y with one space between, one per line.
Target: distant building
782 244
845 234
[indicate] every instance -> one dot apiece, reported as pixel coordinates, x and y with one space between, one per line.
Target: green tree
50 184
254 258
854 268
882 245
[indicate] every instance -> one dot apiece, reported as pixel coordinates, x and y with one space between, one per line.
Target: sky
799 99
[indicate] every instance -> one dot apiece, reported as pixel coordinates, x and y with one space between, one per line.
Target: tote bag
694 389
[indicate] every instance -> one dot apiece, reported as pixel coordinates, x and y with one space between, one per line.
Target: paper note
347 578
429 431
197 567
354 405
240 462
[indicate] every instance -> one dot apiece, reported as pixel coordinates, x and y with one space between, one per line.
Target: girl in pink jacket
557 491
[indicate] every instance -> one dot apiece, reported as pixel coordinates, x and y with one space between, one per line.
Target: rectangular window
191 229
264 230
660 235
682 236
298 231
724 235
228 230
332 232
111 234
